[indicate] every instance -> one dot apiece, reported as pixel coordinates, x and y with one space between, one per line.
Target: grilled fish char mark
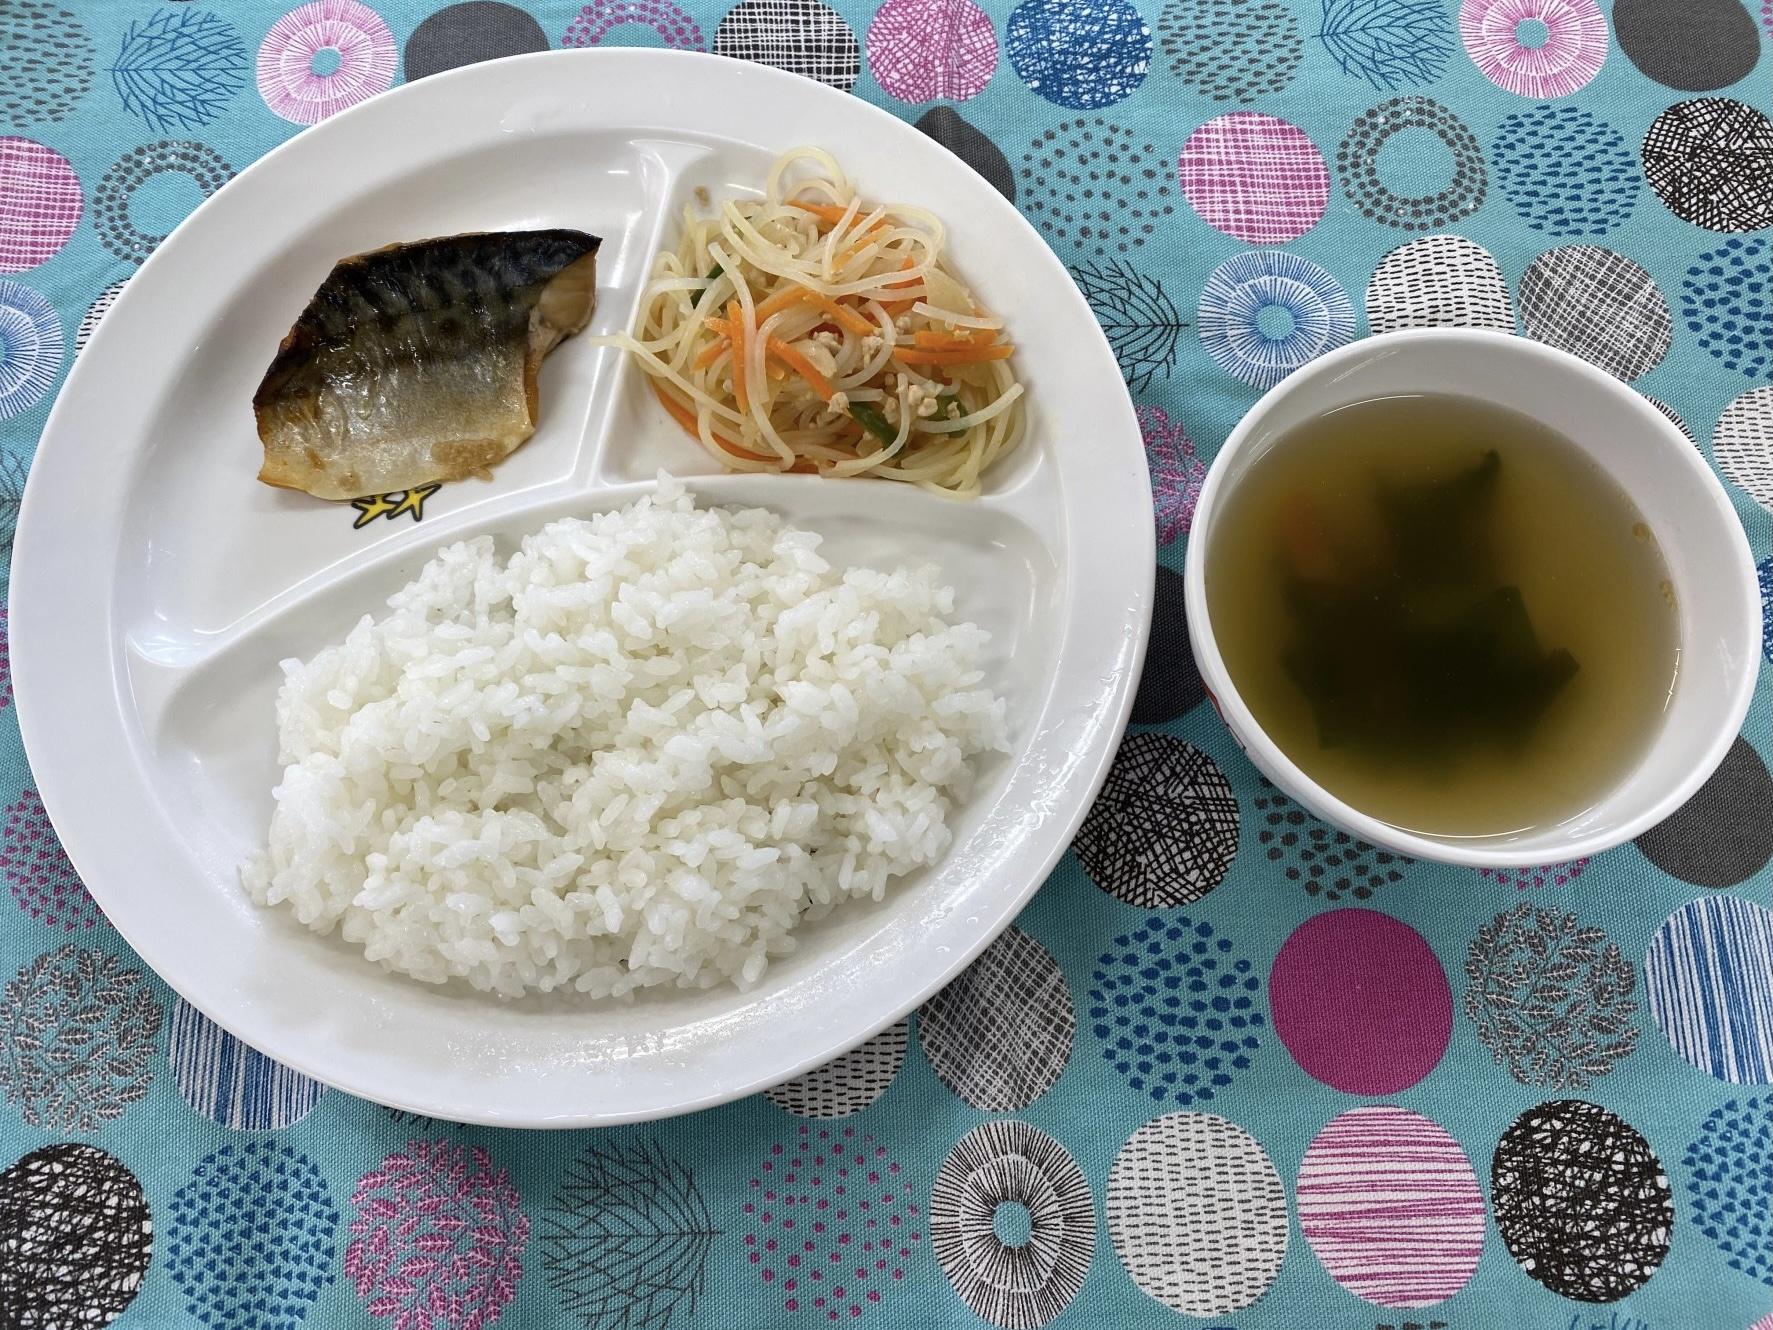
417 362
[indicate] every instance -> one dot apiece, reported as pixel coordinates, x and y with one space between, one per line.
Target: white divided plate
157 583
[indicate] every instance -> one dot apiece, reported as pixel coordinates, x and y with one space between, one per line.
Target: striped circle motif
1197 1213
354 34
1085 54
40 202
846 1084
30 348
1572 53
1743 444
799 36
1001 1033
77 1236
1391 1206
1439 282
1599 305
229 1083
1710 161
1164 830
1023 1284
931 50
1254 177
100 307
1708 981
1265 313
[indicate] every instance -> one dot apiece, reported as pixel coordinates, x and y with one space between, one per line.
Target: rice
638 753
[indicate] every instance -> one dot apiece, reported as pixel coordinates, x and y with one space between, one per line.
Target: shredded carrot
735 329
941 341
801 366
796 294
682 415
973 356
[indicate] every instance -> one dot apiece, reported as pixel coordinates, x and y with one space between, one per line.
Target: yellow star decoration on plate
393 504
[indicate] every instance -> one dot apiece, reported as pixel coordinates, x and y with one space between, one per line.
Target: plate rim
66 795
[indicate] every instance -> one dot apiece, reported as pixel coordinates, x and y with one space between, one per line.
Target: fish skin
416 363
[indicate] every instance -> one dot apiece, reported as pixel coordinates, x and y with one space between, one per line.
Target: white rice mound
638 753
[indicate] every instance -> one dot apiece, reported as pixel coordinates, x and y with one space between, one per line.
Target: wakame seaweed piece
1436 527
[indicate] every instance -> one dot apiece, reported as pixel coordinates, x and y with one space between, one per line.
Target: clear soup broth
1444 613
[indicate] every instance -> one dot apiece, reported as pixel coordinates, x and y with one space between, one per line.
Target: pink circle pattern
40 202
1391 1206
36 867
5 661
932 50
596 21
1549 875
1177 473
1255 177
1574 49
833 1222
366 54
437 1241
1361 1002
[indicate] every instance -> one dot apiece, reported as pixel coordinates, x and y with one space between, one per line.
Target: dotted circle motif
846 1084
1176 1011
78 1237
1164 830
78 1030
1439 282
30 348
1357 161
674 26
1725 304
58 73
1574 49
110 205
1255 177
1095 185
358 37
1566 171
37 870
1391 1207
429 1201
230 1083
1197 1213
1001 1033
1319 315
802 37
475 30
1085 54
40 203
1708 981
251 1237
1026 1284
1730 1184
1599 305
1743 446
1317 856
930 50
1231 50
1710 161
1581 1200
1545 875
832 1223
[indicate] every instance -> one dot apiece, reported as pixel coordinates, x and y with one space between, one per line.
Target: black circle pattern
1581 1200
1164 830
1171 685
77 1237
849 1083
110 203
1096 186
475 30
1722 835
799 36
1318 857
1357 161
1027 1284
1711 162
1231 50
1001 1033
945 125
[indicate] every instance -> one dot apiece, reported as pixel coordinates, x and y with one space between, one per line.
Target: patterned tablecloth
1230 1068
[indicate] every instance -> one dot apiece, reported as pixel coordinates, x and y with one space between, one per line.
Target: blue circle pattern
1765 571
230 1082
1084 54
1730 1184
1242 288
1566 171
30 348
1176 1012
251 1237
1725 304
